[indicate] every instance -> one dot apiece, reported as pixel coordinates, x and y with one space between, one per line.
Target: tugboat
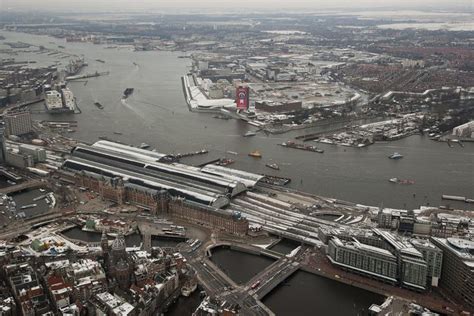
127 92
273 166
395 155
255 154
250 133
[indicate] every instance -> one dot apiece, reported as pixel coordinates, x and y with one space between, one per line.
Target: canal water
185 305
156 113
285 246
26 198
307 294
301 294
239 266
131 240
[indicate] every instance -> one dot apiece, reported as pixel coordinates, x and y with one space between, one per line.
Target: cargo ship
127 92
255 154
291 144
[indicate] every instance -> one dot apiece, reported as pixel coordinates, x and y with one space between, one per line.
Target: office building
18 123
364 259
457 274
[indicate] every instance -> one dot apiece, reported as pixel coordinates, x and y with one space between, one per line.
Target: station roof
138 178
247 178
173 172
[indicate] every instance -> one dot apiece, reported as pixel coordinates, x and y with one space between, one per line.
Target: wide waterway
302 293
157 114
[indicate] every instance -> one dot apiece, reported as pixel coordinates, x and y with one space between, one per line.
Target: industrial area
109 227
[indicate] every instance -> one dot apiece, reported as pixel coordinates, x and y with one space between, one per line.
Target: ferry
250 133
255 154
273 166
395 155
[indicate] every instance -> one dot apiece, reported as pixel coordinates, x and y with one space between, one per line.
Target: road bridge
261 284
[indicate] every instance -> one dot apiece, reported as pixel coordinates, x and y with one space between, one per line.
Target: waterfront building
18 160
433 257
18 123
365 259
38 154
457 274
412 268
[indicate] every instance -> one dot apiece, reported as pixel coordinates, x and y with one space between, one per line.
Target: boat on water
28 206
395 155
117 133
144 146
232 152
225 162
99 105
401 181
273 166
250 133
127 92
255 154
100 61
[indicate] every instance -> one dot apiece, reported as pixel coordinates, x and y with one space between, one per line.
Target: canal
301 294
239 266
308 294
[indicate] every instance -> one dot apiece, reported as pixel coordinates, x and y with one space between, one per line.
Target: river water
157 114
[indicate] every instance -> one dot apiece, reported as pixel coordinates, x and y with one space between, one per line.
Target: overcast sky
123 5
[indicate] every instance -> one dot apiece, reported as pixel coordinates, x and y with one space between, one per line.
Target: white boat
395 155
232 152
393 180
250 133
144 146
